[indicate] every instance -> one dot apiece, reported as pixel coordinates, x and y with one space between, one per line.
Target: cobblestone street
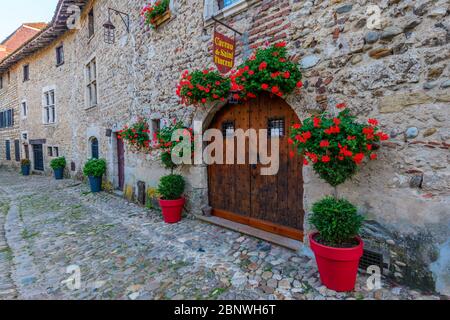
127 252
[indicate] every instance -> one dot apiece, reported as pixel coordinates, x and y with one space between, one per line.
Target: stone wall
397 72
9 100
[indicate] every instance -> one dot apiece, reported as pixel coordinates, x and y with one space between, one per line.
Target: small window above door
276 128
228 129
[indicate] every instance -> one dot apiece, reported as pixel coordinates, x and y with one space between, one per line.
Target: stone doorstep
288 243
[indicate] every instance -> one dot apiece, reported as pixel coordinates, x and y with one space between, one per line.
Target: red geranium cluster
151 11
137 135
202 87
336 146
268 69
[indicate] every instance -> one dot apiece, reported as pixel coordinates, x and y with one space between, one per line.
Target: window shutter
17 150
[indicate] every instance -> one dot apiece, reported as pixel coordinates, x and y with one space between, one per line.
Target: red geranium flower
341 105
324 144
265 86
373 156
262 66
299 84
326 159
358 158
281 44
317 122
373 122
297 126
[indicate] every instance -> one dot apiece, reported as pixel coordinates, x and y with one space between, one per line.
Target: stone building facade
387 59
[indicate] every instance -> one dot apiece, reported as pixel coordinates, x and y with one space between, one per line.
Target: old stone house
389 61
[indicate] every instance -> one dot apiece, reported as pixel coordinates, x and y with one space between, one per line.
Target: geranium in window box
201 87
336 146
268 69
157 13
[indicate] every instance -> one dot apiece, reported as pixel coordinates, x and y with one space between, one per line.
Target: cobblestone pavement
127 252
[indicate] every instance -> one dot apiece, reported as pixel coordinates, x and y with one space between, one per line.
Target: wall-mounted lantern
109 35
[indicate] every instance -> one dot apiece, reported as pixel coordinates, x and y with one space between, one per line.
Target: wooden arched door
239 192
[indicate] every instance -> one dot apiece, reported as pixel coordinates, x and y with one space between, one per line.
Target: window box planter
166 16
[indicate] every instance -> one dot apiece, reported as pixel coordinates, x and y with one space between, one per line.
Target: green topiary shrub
171 187
337 221
95 168
25 163
58 163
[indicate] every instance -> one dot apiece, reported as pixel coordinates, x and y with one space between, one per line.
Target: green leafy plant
337 221
58 163
25 163
336 146
268 69
171 187
165 143
152 11
95 168
137 135
200 87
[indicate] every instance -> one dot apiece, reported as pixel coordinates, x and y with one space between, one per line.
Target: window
1 82
59 55
91 24
276 128
8 150
49 107
7 118
26 72
226 3
94 148
50 151
55 151
9 77
17 150
24 109
155 126
91 75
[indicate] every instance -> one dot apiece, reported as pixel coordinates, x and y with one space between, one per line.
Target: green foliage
167 146
137 135
171 187
336 220
336 146
95 168
269 69
58 163
25 163
152 11
202 87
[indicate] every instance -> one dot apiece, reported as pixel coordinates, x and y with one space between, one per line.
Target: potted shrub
94 169
25 166
336 146
171 188
58 165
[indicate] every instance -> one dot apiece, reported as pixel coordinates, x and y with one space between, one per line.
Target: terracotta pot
172 209
338 267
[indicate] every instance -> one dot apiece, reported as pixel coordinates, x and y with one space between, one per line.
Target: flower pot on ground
336 246
25 166
170 189
58 166
94 169
336 147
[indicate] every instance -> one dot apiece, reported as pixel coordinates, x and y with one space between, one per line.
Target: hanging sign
224 52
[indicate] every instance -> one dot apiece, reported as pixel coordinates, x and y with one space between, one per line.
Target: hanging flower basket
157 13
137 135
268 69
201 87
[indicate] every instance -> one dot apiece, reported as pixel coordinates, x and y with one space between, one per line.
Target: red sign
224 52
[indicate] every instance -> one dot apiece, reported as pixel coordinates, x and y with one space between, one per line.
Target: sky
15 12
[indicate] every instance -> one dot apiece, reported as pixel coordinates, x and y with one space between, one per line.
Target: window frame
1 82
8 150
91 24
94 142
212 9
49 105
24 109
60 55
91 82
26 72
17 150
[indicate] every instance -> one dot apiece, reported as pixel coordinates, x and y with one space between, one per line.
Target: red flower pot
338 267
172 209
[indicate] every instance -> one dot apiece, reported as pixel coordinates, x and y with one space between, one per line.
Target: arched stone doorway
239 192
